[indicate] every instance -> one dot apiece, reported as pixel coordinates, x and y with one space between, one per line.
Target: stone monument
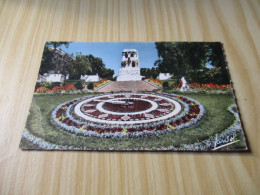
130 70
184 85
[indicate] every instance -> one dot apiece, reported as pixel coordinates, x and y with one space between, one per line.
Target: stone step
133 86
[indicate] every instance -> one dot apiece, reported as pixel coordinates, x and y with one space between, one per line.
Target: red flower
69 87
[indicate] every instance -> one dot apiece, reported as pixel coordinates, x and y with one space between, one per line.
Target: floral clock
127 114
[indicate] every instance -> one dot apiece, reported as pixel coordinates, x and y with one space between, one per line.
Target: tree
80 66
181 58
217 59
56 44
54 59
46 62
90 65
108 73
149 72
190 59
97 65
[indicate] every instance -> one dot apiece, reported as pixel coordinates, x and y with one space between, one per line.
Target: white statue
130 70
184 85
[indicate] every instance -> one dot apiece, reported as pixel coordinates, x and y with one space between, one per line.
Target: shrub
154 76
79 85
46 84
54 84
165 84
90 86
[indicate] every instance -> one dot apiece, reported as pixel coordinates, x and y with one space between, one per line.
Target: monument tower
130 70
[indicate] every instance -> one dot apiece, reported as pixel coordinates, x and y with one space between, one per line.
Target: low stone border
153 84
102 86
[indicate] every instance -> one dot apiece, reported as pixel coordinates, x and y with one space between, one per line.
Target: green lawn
215 120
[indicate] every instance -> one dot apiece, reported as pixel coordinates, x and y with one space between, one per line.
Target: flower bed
155 82
158 121
56 89
205 145
134 106
100 83
210 86
204 87
42 90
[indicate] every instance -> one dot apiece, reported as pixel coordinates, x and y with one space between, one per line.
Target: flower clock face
127 114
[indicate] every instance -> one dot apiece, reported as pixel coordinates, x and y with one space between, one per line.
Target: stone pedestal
129 74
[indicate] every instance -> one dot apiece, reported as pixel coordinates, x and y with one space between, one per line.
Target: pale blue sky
111 52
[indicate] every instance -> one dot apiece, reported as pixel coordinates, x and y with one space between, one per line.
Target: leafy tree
154 73
80 66
56 44
181 58
149 72
108 73
98 67
217 59
55 60
46 62
90 65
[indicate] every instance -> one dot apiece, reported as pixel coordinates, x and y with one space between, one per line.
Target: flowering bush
101 83
42 90
155 82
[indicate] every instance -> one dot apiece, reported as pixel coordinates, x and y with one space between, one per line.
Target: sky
111 52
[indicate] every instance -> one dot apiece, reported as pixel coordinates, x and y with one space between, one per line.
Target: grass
215 120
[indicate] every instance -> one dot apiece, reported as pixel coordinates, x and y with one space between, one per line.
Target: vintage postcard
134 96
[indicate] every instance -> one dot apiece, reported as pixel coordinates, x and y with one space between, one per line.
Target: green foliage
48 85
181 58
217 59
80 66
214 75
46 62
98 67
165 84
79 84
189 59
107 73
56 44
90 86
149 72
90 65
54 60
